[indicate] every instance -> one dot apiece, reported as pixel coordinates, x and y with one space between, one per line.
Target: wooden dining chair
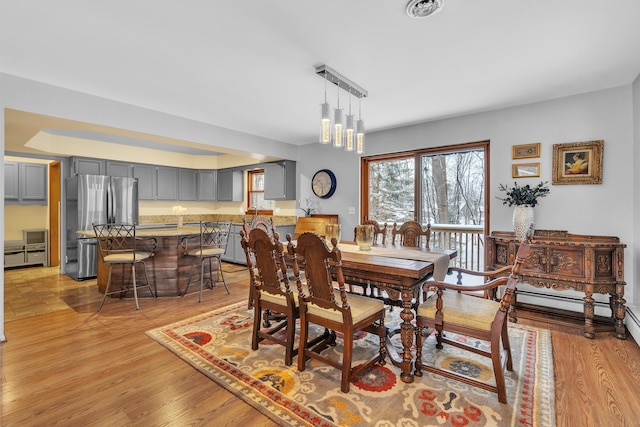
270 289
268 227
411 234
118 244
453 310
379 233
324 305
266 224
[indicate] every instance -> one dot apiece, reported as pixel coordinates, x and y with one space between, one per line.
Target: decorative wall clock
323 183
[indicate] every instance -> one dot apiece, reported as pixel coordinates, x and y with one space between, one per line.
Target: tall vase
364 236
522 220
331 231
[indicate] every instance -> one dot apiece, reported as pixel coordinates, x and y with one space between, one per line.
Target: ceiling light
349 133
423 8
354 135
360 132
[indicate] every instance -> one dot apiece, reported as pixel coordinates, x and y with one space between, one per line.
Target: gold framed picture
577 163
525 151
525 170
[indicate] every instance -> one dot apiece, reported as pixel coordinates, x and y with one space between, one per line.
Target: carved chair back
411 234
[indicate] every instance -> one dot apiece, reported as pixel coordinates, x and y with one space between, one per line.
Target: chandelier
341 134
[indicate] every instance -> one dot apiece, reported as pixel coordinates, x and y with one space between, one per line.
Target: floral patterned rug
218 344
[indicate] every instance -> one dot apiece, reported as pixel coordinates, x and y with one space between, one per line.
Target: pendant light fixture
341 134
360 131
349 132
338 136
325 122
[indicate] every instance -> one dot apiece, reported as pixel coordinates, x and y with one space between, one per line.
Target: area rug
218 344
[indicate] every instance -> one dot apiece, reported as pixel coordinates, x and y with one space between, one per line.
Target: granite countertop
163 220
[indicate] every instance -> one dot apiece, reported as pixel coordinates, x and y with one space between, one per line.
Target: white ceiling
249 65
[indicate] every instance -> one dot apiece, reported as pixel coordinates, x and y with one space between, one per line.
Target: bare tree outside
391 190
453 188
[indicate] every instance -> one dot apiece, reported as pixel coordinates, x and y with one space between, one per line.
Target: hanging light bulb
338 135
360 131
349 144
325 123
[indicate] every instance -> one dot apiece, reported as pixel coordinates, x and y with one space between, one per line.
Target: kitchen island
168 268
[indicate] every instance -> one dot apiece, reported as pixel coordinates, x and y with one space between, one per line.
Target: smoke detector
423 8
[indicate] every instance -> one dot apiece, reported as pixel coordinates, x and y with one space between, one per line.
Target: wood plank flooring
69 365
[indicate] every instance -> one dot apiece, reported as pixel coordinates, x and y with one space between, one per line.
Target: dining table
399 272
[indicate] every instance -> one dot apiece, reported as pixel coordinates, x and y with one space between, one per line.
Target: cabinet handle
553 260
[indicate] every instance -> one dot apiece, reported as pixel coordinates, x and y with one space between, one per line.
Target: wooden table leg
589 330
407 334
618 312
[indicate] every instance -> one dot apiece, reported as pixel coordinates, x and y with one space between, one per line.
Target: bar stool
210 243
118 244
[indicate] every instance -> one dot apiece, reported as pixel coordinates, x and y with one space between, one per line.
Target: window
391 189
255 196
444 187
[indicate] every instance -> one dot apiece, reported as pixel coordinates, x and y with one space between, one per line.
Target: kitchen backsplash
237 219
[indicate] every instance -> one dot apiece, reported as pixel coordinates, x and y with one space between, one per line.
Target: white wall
605 209
633 252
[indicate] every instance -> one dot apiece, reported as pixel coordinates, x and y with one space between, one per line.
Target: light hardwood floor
65 364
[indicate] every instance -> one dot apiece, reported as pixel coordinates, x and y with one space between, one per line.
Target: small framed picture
525 170
526 151
577 163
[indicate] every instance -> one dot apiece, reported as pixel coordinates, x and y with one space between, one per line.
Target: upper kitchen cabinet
280 180
119 169
207 185
25 183
230 185
187 184
146 175
11 181
88 166
167 187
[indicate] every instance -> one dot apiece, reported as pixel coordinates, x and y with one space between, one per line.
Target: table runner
440 261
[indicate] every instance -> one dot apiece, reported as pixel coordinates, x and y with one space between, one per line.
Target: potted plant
307 206
525 198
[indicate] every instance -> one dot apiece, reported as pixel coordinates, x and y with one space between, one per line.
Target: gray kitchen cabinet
146 175
230 185
119 169
167 183
187 184
25 183
88 166
207 185
280 180
234 232
235 252
283 230
11 181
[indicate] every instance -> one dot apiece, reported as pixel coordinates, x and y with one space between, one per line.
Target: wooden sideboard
559 260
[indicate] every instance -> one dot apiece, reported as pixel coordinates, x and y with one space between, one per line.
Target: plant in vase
306 205
525 198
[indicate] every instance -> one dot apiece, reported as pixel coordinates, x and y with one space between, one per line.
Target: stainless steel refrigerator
94 199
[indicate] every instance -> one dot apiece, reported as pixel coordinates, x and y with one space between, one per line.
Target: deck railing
468 240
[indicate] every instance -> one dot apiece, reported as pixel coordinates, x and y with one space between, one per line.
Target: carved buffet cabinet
559 260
